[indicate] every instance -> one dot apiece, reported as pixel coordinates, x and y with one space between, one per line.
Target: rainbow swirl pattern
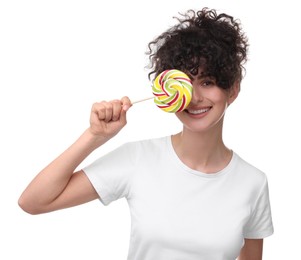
172 90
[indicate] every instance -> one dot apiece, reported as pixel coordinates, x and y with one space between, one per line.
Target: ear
234 91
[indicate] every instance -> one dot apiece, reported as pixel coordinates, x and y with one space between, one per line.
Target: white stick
141 100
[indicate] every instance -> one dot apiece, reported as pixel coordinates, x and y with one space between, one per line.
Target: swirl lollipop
172 90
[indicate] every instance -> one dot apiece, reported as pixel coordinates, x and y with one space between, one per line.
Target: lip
198 112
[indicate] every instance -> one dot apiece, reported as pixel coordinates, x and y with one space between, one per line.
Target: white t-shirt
178 213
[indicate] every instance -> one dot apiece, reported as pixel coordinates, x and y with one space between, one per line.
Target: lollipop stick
141 100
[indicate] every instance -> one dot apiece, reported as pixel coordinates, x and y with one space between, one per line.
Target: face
208 105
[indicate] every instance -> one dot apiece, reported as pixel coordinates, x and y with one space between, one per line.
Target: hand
108 118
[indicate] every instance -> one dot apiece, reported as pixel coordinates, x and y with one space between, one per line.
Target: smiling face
208 104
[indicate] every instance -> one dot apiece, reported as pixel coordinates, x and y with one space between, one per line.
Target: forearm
53 179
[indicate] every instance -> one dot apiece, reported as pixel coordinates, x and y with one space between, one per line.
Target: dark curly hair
202 40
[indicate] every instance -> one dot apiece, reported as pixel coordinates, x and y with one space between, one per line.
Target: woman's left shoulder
248 171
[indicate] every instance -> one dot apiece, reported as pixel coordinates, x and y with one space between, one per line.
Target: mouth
199 111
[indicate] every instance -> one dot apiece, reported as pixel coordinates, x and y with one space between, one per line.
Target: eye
208 83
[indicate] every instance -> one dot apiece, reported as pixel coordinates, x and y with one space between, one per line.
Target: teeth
200 111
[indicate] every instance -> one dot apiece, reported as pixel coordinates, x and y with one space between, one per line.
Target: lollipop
172 90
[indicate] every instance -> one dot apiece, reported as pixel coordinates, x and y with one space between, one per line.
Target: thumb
126 104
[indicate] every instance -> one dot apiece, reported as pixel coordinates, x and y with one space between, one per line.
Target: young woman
190 196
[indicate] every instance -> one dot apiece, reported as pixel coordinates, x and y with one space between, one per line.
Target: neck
203 151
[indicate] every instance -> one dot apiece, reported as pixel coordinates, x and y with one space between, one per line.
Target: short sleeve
110 175
260 224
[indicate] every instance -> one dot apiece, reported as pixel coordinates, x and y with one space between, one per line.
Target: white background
59 57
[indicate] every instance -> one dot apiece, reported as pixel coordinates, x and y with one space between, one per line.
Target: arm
252 250
57 186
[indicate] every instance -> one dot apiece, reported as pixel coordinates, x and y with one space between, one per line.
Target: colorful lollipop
172 90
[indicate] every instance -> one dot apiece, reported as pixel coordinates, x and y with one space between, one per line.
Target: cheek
218 98
220 102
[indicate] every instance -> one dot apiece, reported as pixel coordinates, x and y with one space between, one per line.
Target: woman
190 196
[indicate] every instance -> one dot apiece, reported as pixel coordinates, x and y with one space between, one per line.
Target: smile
198 111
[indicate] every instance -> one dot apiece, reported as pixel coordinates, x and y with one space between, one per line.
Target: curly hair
202 40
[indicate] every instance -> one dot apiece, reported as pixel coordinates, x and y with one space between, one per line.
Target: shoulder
147 145
139 151
249 173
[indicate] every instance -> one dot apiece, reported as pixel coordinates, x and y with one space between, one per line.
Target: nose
197 95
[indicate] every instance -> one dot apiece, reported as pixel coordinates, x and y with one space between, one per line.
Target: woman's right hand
108 117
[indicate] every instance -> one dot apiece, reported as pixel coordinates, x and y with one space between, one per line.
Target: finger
108 109
103 110
117 107
98 110
126 103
